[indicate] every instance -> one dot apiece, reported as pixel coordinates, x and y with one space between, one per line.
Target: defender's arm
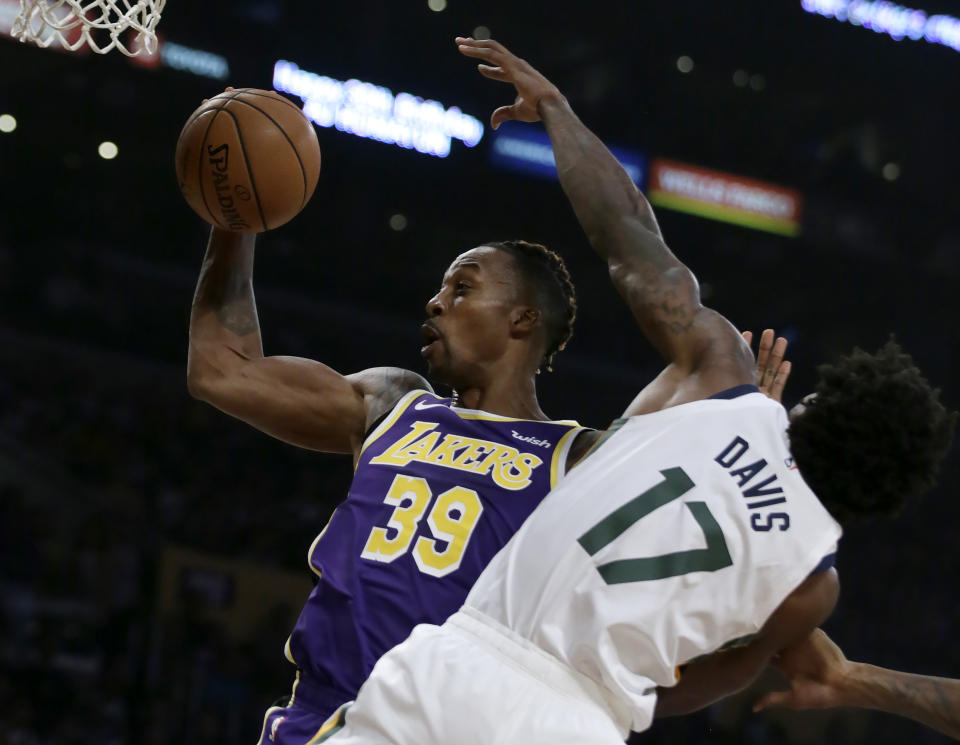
661 292
712 678
619 222
821 677
293 399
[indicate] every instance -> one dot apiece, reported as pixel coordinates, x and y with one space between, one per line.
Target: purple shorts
314 713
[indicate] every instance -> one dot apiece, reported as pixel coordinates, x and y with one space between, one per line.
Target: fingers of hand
487 54
501 115
470 51
748 337
780 380
783 370
495 73
774 361
779 349
481 43
763 351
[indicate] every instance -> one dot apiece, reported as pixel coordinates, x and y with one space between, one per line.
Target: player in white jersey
691 528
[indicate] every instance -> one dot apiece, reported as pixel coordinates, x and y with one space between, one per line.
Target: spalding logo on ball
248 160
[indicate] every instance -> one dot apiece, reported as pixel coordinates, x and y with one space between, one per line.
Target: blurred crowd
105 462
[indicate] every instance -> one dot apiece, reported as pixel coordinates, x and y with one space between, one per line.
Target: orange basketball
247 160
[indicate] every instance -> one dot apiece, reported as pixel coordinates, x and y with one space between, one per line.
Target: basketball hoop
73 23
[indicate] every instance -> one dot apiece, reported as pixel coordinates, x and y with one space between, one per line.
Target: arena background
152 550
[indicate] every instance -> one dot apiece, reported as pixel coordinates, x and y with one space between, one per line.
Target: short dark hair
548 279
874 435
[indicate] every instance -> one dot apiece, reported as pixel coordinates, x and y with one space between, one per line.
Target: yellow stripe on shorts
330 727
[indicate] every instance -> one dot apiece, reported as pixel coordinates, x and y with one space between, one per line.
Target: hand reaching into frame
498 63
772 370
815 668
821 677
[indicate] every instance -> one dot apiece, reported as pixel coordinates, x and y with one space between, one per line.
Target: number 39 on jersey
452 519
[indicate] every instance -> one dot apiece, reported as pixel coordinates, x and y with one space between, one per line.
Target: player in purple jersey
440 484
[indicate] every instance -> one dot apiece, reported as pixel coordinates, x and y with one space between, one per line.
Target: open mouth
430 336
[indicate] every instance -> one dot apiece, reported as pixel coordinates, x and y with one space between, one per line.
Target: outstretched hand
772 370
498 63
815 668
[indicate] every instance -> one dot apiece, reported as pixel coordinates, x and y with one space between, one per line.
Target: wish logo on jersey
508 467
532 440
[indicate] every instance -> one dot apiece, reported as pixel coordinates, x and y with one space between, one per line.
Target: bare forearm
934 702
661 292
224 310
602 194
709 679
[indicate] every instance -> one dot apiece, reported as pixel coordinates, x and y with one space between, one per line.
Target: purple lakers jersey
438 490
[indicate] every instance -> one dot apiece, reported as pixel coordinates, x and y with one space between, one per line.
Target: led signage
725 197
896 21
374 112
526 148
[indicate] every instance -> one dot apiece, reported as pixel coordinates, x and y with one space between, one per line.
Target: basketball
247 160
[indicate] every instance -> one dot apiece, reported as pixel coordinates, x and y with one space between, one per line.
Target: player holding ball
440 484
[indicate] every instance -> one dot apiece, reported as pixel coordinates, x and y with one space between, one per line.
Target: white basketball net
97 23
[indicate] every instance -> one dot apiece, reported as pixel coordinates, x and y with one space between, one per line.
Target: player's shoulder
377 379
383 387
582 445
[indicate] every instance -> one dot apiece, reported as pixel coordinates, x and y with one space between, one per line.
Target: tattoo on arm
226 284
665 298
930 700
238 312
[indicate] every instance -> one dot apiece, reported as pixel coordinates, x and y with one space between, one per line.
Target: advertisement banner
725 197
523 147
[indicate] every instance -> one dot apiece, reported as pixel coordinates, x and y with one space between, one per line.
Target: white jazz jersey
681 532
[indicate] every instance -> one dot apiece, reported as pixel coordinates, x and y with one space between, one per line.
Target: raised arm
293 399
661 292
821 677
